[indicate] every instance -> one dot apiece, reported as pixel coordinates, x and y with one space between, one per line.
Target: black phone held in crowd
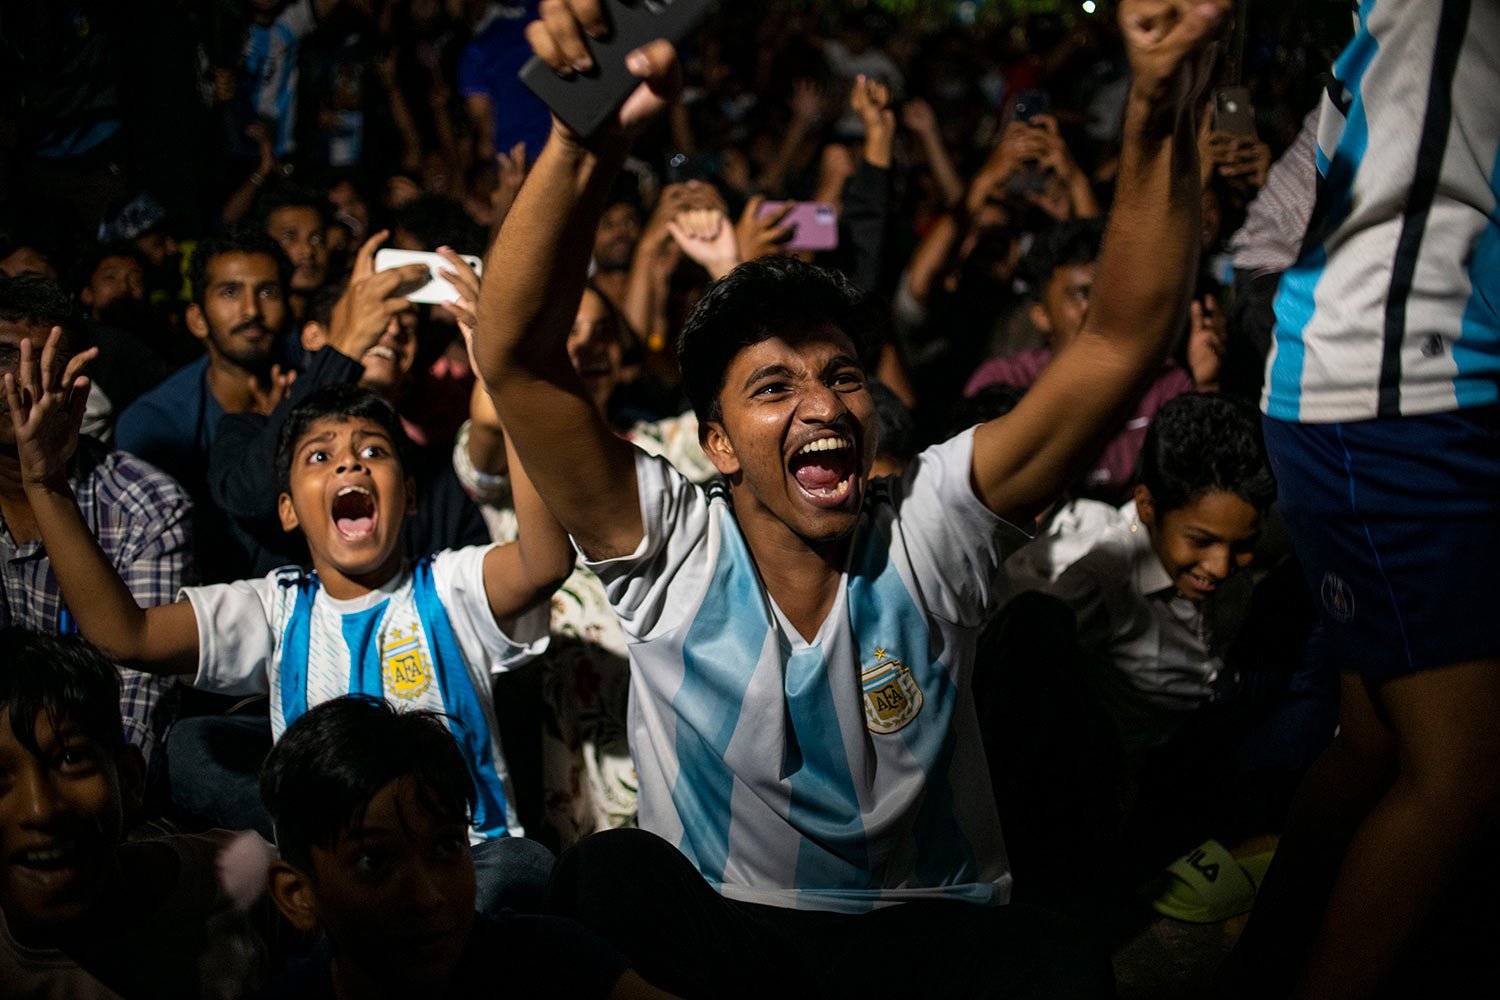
1233 112
1030 103
585 101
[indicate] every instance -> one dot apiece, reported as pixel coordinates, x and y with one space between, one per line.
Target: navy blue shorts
1397 525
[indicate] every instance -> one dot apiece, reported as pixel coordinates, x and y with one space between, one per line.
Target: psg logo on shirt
1338 599
892 697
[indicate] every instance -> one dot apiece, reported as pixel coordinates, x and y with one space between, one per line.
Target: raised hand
706 236
1247 161
1208 339
917 115
1018 144
266 396
46 398
871 100
371 301
558 39
1053 152
762 236
511 169
462 277
1168 43
807 102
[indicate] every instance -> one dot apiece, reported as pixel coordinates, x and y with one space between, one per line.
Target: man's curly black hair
759 300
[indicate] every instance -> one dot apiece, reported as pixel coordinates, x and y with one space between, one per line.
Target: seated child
82 913
1159 595
371 806
363 621
1156 586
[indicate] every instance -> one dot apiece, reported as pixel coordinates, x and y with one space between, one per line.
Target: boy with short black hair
424 636
371 806
83 914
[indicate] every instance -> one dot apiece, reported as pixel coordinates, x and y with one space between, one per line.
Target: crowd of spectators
193 197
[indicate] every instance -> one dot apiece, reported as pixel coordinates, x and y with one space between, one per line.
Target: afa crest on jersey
405 668
892 697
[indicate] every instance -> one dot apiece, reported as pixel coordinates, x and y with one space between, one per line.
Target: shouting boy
363 621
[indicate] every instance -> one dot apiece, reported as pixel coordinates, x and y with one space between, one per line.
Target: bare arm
917 115
482 121
243 199
531 291
1023 459
807 105
46 400
528 570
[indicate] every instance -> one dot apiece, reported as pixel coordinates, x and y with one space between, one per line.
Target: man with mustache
238 310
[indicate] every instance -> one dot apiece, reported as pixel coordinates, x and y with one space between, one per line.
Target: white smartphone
437 291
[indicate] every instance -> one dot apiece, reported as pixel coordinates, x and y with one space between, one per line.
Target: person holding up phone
814 802
367 334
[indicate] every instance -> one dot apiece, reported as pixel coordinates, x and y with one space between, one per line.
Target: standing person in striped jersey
803 638
268 64
1382 412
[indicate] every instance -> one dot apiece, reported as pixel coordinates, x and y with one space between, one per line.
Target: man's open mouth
381 351
824 469
354 513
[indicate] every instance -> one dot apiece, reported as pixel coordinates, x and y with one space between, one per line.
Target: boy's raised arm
46 398
1025 458
518 575
533 281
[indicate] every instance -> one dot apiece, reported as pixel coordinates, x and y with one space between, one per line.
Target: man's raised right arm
533 282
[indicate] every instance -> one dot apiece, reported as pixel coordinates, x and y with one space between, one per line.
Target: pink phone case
816 224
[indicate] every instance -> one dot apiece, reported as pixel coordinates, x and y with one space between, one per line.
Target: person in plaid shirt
142 518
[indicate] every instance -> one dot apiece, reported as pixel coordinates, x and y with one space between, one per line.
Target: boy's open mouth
52 867
57 856
354 513
824 470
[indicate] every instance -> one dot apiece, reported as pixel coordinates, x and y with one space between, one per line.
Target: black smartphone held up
1030 103
1233 112
585 101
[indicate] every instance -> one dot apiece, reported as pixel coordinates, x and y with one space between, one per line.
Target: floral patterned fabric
588 777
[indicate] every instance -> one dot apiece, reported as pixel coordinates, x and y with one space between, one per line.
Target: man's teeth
48 856
823 444
836 493
379 351
352 489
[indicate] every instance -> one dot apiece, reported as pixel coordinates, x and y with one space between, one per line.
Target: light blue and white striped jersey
270 69
841 774
425 640
1393 307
